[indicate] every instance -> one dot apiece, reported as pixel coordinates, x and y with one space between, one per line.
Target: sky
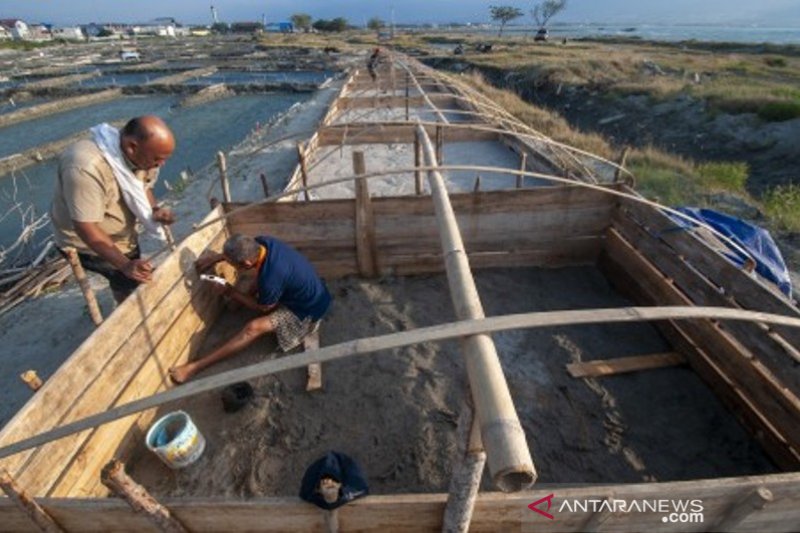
780 13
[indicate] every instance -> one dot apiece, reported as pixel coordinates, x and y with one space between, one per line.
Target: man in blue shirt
289 293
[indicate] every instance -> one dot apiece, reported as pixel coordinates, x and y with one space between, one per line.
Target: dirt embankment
683 125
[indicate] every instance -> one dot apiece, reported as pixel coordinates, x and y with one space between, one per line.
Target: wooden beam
365 222
507 452
27 504
122 485
621 365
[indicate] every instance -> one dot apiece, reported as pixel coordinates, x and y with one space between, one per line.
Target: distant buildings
18 29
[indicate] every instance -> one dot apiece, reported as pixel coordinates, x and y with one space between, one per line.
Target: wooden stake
621 162
466 479
523 166
439 145
407 93
329 488
477 186
311 342
417 164
507 450
169 237
223 177
621 365
365 224
27 504
31 379
264 185
114 477
737 513
301 159
83 283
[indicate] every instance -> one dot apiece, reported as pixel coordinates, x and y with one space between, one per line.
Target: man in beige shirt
89 211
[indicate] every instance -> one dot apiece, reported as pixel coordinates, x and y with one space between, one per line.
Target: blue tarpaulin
755 240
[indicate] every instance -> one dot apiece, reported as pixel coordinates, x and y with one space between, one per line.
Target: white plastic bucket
176 440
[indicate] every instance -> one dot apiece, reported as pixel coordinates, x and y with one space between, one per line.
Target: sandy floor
395 412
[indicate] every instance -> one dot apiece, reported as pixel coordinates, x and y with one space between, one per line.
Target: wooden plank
622 365
423 512
745 411
274 212
778 405
703 292
53 403
331 233
381 133
749 293
443 101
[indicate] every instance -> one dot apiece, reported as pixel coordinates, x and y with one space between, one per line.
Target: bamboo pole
477 186
509 458
366 253
83 283
369 345
523 166
301 159
623 157
467 473
118 482
223 177
407 94
439 146
31 379
27 504
417 164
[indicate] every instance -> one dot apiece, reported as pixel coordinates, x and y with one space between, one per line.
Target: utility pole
391 34
214 15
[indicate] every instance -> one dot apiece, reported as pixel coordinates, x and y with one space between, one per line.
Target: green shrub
729 176
779 111
782 205
775 61
664 185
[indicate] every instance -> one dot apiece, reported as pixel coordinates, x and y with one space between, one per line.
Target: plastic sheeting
754 239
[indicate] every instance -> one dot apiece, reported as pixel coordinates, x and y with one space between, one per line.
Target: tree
336 25
301 21
376 24
546 10
504 14
220 27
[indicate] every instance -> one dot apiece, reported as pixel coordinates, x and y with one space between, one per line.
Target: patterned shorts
291 330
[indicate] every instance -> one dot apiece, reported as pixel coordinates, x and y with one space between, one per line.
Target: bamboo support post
738 513
467 473
365 223
118 482
31 379
83 283
170 238
301 159
509 458
417 164
223 177
477 187
27 504
264 185
523 166
407 94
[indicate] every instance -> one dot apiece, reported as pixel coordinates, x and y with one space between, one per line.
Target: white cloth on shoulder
133 191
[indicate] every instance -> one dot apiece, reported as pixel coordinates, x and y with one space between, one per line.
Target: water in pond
200 132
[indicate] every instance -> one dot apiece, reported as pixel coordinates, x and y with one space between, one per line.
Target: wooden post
301 159
83 283
169 237
621 162
439 145
329 488
507 450
477 186
523 166
114 477
31 379
314 370
407 115
365 225
737 513
417 164
466 479
223 177
264 185
28 505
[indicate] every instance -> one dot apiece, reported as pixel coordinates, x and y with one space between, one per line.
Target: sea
779 35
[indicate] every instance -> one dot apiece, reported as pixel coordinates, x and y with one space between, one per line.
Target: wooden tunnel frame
748 365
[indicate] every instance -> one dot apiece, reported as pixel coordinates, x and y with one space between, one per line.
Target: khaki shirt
86 190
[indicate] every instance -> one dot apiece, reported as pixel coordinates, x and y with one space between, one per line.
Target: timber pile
31 282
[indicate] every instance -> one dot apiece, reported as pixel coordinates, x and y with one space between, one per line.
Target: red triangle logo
549 499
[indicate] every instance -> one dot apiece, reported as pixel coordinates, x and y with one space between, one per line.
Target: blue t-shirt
286 277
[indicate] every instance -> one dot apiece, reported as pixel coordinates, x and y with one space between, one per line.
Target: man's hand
163 215
138 270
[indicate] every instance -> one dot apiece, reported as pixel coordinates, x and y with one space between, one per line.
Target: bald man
90 212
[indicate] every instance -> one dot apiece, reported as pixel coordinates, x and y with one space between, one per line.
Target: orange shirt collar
262 256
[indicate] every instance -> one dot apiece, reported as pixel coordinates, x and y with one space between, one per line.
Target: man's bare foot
180 374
